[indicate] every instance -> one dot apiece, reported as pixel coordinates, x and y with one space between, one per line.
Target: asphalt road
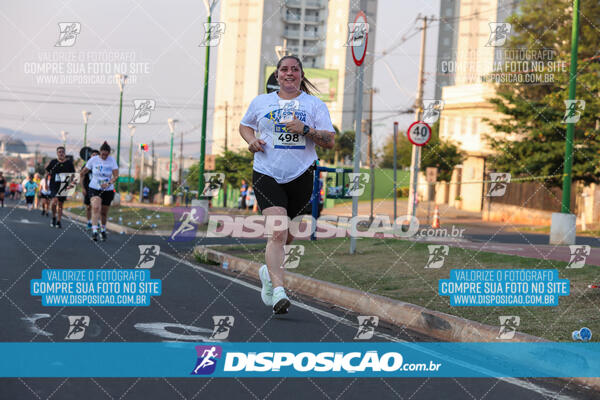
191 295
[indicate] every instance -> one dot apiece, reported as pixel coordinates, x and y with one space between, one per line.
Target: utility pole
371 162
153 160
416 150
395 167
180 158
224 184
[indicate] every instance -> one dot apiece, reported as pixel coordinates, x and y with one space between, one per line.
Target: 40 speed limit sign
419 133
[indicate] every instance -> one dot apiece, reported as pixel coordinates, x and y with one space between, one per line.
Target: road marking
30 321
514 381
160 329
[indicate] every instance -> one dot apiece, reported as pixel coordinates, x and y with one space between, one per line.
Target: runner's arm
324 139
254 144
115 174
83 172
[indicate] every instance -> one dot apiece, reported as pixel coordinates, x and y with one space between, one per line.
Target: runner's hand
256 145
295 126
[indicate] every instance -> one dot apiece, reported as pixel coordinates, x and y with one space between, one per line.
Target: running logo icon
508 326
293 253
213 33
499 33
366 327
68 33
358 183
68 182
223 324
213 183
579 254
207 359
437 255
574 109
432 110
186 223
148 254
77 326
142 110
499 184
357 31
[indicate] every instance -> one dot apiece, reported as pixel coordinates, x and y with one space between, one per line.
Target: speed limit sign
419 133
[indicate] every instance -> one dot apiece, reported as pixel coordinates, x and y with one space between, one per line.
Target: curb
435 324
111 226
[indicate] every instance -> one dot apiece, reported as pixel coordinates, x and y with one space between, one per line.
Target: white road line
514 381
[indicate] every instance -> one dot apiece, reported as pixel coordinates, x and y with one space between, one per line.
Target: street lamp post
563 227
86 115
63 135
121 79
131 132
169 197
209 9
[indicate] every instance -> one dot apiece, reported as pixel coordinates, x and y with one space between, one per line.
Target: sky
160 42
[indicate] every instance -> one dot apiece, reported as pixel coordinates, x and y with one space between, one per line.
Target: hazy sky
159 40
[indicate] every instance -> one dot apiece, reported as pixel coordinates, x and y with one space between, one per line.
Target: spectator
250 198
243 194
146 194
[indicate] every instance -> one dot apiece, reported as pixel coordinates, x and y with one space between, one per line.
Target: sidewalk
386 207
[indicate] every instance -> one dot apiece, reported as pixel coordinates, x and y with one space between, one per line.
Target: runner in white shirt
289 123
105 173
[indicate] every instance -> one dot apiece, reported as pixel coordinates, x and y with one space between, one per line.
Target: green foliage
442 154
438 153
403 150
344 147
235 165
534 134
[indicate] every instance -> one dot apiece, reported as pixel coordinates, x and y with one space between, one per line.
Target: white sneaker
266 293
281 303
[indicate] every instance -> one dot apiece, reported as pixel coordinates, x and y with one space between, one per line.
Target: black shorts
86 198
29 199
54 190
44 196
294 196
107 196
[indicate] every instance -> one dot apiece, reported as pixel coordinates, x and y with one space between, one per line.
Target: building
447 41
315 30
10 145
466 100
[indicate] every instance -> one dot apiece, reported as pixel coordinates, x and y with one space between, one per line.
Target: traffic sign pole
416 154
359 52
419 134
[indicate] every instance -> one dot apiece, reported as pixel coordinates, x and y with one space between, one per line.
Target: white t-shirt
286 155
101 171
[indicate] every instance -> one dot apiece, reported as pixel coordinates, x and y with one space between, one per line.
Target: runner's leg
96 209
275 253
104 215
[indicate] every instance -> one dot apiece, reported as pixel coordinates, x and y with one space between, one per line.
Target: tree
443 155
235 165
403 152
343 148
534 134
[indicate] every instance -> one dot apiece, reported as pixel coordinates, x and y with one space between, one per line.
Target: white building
315 30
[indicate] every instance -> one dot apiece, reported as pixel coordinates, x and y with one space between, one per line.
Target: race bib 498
282 139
